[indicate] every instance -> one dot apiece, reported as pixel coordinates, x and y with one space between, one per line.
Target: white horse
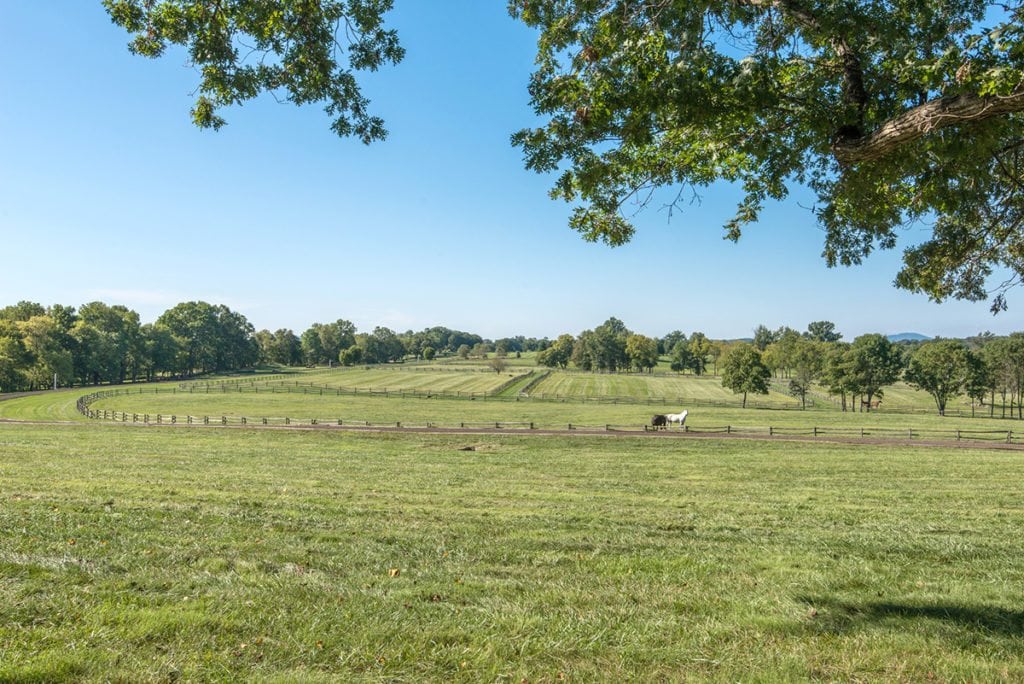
677 418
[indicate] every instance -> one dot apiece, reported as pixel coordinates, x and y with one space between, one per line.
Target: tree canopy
891 113
291 48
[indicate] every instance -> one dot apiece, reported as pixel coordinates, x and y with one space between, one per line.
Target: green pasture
43 406
411 378
526 360
671 387
378 409
162 554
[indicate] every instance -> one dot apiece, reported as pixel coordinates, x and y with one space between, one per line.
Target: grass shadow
839 616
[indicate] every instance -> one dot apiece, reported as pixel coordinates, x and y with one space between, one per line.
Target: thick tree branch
923 119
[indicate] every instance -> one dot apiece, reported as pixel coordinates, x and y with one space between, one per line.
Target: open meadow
154 553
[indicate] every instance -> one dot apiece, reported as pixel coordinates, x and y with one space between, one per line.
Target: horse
659 421
677 418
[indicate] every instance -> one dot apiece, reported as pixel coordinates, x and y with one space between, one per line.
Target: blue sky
108 192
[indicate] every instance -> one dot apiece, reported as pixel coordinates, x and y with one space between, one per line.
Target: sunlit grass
140 555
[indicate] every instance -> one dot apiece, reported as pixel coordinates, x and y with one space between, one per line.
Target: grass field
165 553
413 378
642 386
378 409
159 554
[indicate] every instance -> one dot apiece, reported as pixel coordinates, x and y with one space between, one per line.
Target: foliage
282 346
559 353
323 342
700 347
807 361
941 368
823 331
289 49
744 372
1004 358
603 348
642 352
872 362
682 357
215 338
891 113
381 346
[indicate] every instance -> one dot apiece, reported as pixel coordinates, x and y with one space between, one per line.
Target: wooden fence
909 434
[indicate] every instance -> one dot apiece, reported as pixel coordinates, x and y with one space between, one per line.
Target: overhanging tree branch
923 119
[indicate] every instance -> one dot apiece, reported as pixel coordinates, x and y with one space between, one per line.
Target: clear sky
107 192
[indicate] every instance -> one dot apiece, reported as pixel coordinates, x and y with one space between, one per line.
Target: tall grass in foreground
160 554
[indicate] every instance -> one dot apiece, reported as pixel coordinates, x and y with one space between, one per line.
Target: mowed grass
647 386
388 378
157 554
57 405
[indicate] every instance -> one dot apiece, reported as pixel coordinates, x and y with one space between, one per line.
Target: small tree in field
873 362
497 364
808 361
428 353
351 356
744 372
941 368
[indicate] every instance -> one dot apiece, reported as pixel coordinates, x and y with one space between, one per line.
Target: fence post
770 433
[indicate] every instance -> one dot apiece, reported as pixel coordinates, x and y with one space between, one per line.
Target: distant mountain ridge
908 337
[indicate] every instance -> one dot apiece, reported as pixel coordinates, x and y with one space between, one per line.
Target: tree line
985 368
101 343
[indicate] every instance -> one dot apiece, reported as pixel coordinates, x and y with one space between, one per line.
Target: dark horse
659 421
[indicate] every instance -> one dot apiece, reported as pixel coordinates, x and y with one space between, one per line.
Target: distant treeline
101 343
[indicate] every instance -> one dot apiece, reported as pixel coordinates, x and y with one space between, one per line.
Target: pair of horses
662 420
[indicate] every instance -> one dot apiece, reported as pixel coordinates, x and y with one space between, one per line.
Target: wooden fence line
958 435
